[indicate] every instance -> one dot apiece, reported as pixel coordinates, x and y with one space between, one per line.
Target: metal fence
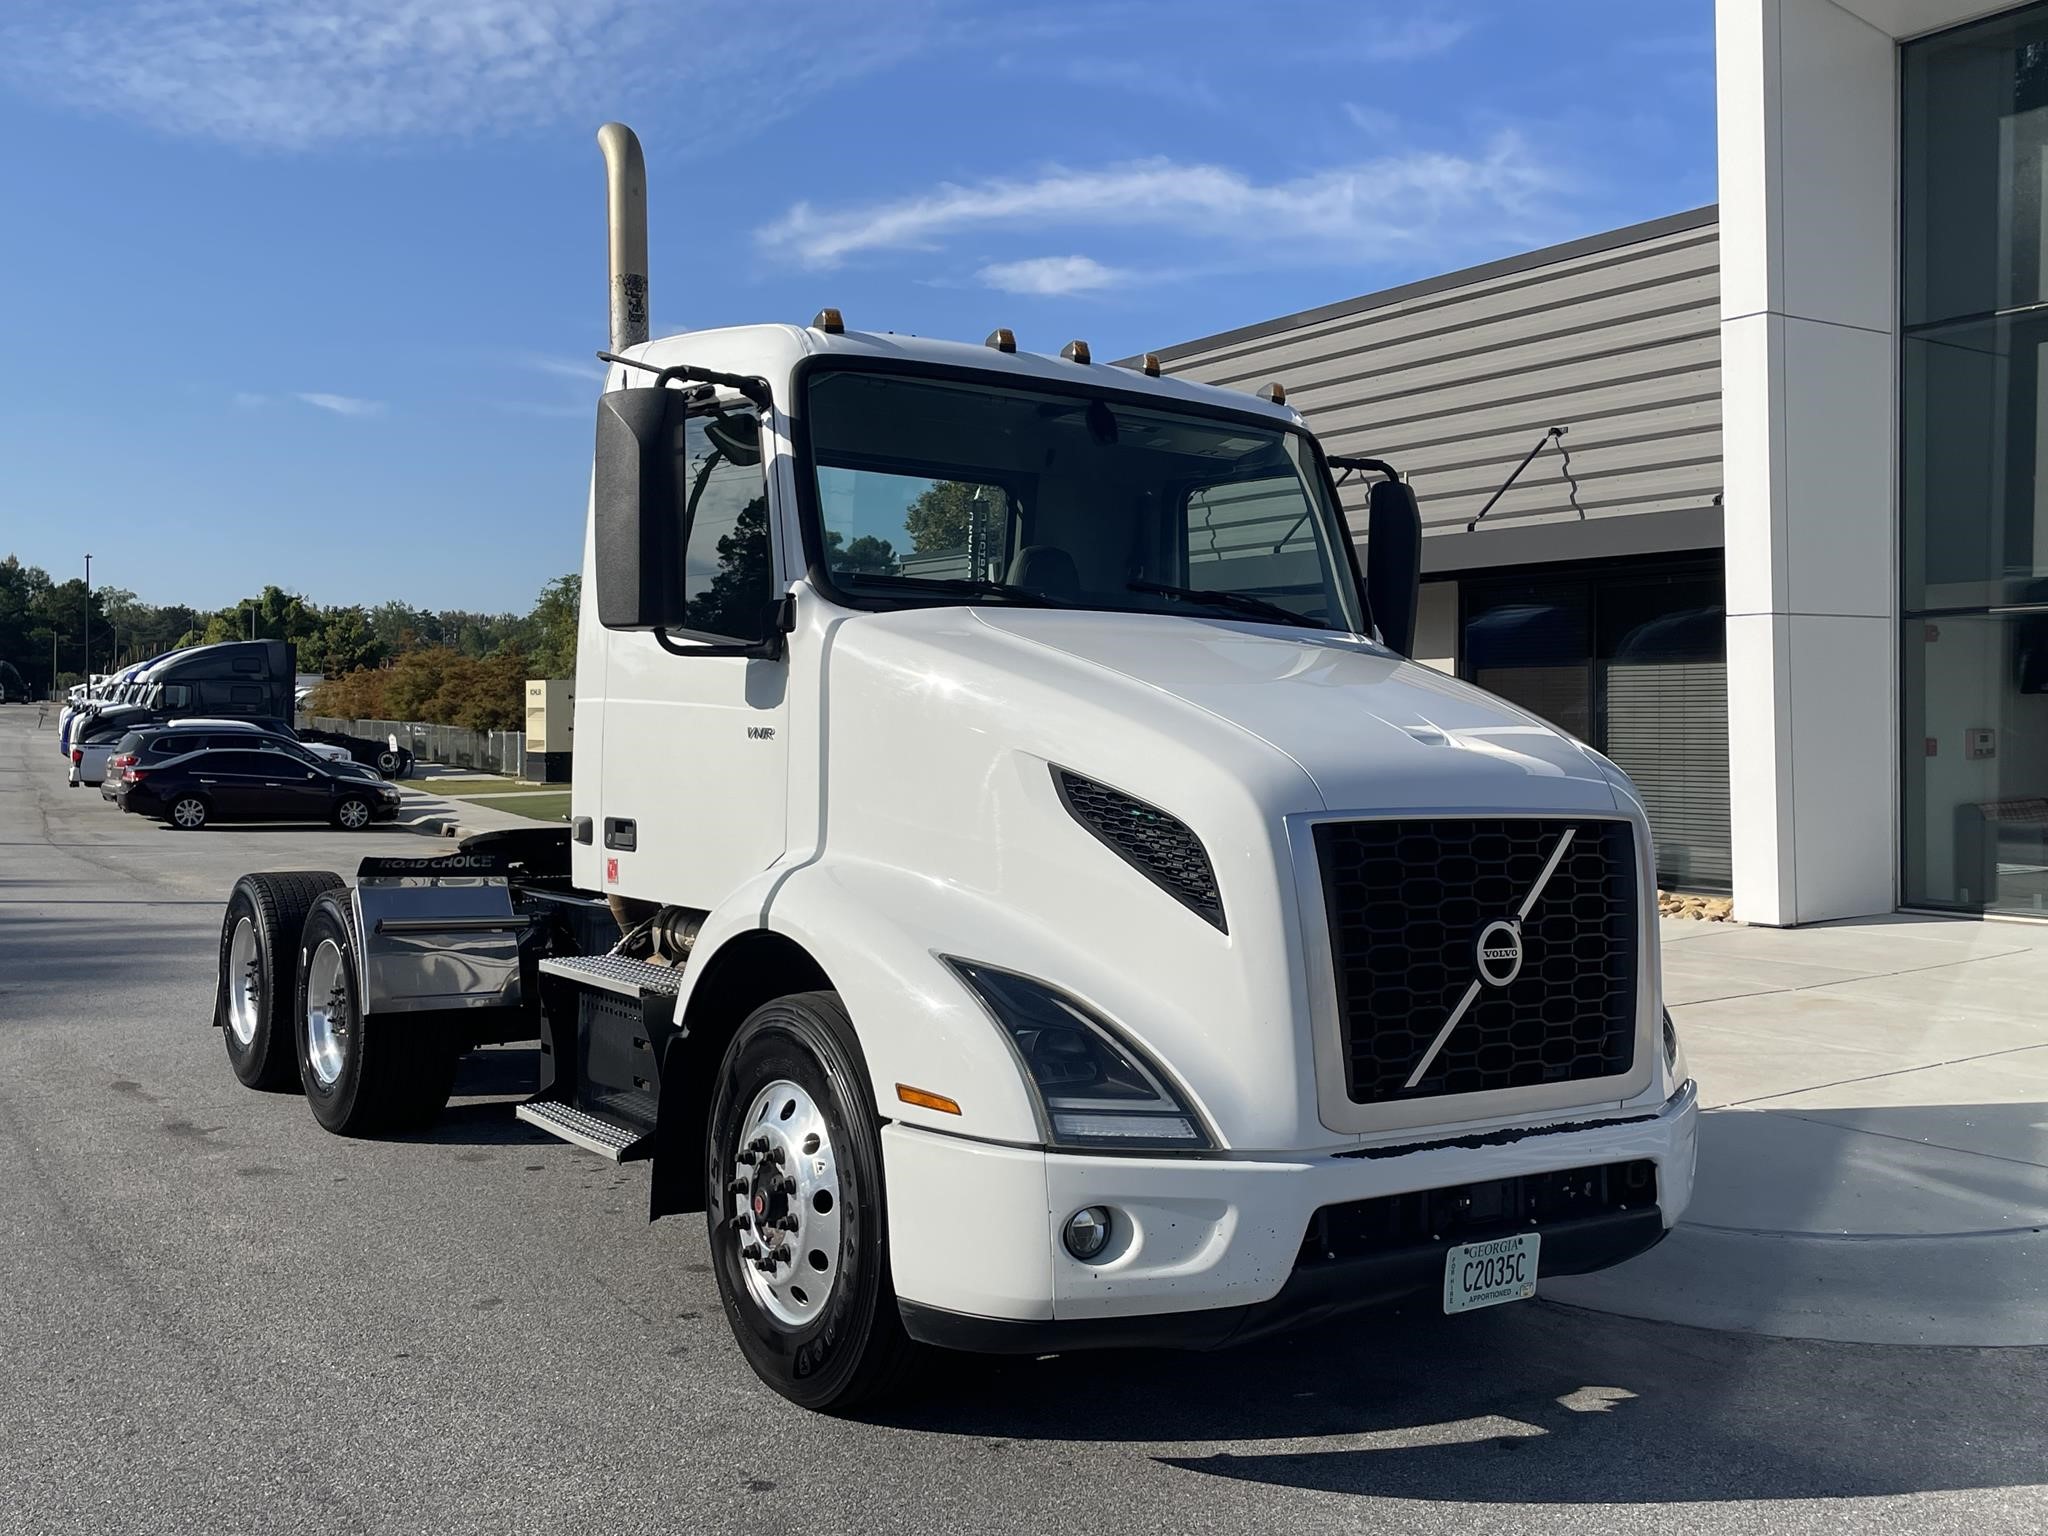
448 745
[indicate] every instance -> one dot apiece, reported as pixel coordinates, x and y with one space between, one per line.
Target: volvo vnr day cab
1018 889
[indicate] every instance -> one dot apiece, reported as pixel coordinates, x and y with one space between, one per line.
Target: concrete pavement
1873 1160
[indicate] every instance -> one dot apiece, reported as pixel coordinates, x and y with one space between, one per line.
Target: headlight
1094 1088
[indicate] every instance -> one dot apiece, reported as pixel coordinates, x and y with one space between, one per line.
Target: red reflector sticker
611 871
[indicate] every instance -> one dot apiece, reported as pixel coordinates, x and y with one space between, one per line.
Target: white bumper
974 1228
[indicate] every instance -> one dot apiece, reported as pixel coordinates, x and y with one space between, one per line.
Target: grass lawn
548 805
539 802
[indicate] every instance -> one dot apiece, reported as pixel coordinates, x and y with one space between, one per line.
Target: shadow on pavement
1532 1404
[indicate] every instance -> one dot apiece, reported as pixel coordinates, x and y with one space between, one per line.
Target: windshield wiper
962 584
1243 602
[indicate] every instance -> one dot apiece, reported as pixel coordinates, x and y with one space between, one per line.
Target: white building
1826 401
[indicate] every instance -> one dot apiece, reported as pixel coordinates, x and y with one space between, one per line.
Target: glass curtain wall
1974 492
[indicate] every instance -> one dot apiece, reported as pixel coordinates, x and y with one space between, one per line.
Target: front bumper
1210 1251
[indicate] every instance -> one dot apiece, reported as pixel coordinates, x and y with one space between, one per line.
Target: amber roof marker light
1075 351
1002 339
828 320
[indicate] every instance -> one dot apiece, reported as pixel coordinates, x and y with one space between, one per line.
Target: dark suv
251 781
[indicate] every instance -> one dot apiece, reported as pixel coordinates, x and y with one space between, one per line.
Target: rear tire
847 1347
387 763
362 1076
258 977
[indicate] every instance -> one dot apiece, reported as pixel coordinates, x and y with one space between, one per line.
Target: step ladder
582 1121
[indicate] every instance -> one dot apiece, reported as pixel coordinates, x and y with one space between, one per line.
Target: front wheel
188 813
797 1220
352 814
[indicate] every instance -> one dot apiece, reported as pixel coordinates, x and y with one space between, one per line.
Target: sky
307 291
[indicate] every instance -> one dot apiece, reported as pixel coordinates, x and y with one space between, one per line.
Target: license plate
1487 1274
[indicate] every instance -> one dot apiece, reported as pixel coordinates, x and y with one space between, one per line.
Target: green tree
553 621
867 553
939 518
345 644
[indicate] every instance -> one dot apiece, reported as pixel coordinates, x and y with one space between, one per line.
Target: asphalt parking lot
217 1317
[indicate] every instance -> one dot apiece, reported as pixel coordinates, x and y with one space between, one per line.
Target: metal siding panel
1620 346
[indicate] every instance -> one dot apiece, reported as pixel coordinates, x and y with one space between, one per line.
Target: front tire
188 813
363 1075
352 814
792 1120
259 973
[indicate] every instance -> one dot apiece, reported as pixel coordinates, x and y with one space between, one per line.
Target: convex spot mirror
737 438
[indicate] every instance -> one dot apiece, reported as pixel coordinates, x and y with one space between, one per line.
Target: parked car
153 744
255 783
93 760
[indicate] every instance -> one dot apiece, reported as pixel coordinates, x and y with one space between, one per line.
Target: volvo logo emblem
1500 953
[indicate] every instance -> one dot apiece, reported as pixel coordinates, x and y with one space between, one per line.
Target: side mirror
1393 562
639 531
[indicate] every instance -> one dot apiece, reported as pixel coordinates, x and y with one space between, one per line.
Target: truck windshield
932 489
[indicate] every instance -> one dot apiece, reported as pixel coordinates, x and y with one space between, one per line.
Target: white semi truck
1018 888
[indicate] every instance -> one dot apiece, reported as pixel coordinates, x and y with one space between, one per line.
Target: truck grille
1409 902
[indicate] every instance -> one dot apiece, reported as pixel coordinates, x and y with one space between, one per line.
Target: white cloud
341 405
290 74
1051 275
1414 37
1431 199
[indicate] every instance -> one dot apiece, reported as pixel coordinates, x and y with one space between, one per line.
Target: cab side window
729 578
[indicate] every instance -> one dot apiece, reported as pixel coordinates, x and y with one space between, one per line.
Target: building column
1809 260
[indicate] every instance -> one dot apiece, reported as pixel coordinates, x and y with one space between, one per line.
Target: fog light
1087 1232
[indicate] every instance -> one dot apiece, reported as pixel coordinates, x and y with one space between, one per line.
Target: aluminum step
607 1138
615 973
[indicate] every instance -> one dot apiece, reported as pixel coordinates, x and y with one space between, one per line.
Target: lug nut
744 1222
790 1223
777 1156
748 1158
781 1255
786 1187
758 1144
751 1251
738 1187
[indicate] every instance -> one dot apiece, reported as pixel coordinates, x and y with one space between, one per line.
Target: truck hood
1372 731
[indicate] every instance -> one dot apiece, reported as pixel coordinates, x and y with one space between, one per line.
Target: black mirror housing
639 533
1393 563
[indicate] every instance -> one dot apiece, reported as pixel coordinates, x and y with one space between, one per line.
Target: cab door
695 757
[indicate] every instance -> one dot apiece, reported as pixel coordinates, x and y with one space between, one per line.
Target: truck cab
1020 889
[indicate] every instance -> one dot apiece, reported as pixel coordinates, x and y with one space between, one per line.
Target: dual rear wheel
289 1009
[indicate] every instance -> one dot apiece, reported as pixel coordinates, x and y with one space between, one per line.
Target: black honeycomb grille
1161 847
1407 903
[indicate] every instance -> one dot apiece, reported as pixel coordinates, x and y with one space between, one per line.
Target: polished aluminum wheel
189 813
245 982
785 1193
327 1012
354 815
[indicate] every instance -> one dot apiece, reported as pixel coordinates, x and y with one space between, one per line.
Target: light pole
88 624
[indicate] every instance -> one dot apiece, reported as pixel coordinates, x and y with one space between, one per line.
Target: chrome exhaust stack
625 199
